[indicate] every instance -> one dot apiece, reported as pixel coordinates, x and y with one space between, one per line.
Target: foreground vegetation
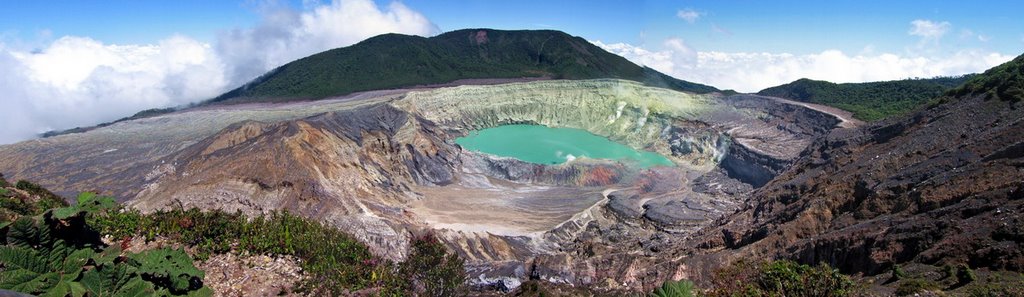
869 101
50 248
57 251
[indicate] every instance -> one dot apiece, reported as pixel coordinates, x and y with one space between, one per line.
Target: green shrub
17 205
948 271
171 269
47 199
965 275
914 285
996 288
779 278
119 223
336 262
680 288
430 270
897 273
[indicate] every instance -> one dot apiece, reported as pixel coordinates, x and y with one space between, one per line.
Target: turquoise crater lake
545 145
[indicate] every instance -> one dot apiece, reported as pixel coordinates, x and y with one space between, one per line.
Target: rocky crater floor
384 166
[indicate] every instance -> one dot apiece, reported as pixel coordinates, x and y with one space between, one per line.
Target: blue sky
797 27
79 63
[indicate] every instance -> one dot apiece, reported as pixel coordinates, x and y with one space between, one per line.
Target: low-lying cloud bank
78 81
81 81
751 72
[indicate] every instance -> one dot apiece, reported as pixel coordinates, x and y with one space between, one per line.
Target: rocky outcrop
750 166
760 152
942 186
338 166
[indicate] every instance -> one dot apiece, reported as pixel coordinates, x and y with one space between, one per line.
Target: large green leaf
56 255
116 280
73 263
87 203
107 256
681 288
18 257
40 284
65 288
64 213
28 232
14 277
135 287
91 203
175 266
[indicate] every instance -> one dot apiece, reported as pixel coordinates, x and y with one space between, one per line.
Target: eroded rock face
384 166
942 186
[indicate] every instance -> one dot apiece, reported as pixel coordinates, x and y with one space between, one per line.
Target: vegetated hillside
869 101
50 248
395 60
942 186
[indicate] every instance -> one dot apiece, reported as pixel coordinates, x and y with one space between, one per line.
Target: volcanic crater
384 165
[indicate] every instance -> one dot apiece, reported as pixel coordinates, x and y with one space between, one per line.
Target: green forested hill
868 101
394 60
1004 82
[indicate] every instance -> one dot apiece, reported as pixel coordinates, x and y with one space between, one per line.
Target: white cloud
285 35
689 15
968 34
720 30
751 72
78 81
929 31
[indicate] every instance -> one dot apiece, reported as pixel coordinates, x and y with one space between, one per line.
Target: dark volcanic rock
941 186
752 159
749 166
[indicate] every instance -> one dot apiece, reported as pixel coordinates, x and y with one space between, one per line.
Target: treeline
869 101
1004 82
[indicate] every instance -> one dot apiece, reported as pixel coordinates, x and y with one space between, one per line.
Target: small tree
430 270
965 275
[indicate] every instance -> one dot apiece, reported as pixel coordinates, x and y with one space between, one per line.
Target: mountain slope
394 60
869 101
941 186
